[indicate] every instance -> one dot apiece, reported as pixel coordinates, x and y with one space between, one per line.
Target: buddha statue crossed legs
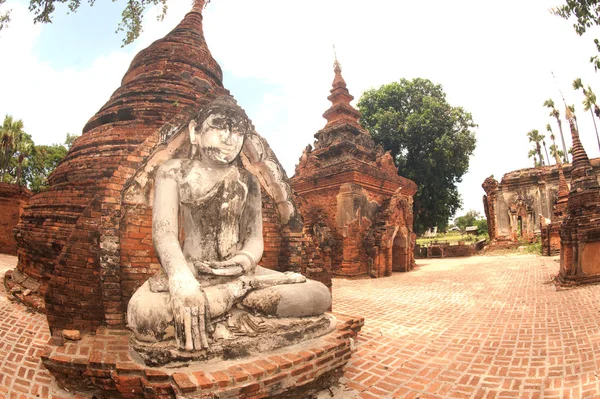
207 233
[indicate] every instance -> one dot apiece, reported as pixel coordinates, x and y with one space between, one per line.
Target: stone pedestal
103 362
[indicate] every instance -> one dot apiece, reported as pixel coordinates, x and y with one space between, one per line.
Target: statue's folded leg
310 298
149 315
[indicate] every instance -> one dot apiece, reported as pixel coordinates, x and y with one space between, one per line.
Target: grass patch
452 238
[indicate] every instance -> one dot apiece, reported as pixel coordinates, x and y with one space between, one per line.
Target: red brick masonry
13 199
103 362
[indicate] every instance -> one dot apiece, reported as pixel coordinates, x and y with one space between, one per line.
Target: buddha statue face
219 134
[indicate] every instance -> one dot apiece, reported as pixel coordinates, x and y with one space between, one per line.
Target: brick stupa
580 229
352 197
85 244
550 232
66 231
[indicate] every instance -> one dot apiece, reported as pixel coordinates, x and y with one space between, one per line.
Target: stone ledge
103 363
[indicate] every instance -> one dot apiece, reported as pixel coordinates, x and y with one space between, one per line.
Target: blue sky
494 59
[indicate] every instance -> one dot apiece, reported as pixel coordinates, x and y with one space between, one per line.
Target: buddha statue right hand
188 304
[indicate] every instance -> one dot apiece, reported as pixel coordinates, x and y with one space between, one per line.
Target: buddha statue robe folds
210 297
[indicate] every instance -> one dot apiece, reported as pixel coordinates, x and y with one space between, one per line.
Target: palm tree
554 113
588 102
572 109
545 149
533 153
552 137
556 153
535 137
11 133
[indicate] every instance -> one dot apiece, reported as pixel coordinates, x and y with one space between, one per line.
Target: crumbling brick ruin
580 229
352 198
85 244
528 203
13 199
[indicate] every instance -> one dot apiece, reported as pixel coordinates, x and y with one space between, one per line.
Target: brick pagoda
520 205
551 231
580 229
352 197
13 199
74 237
85 244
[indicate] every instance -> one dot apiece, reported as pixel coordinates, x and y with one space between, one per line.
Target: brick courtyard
481 327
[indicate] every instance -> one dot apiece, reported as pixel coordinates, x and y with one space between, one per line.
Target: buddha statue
207 233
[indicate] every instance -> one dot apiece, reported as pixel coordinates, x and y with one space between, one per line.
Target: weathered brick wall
138 259
537 188
271 233
452 251
347 182
61 231
580 230
13 199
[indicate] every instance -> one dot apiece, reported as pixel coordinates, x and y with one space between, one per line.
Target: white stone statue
207 233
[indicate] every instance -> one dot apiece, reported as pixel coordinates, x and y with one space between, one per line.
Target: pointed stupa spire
585 191
582 173
199 5
560 209
340 111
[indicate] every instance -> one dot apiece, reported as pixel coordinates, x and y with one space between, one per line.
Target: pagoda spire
199 5
560 209
585 191
340 111
582 173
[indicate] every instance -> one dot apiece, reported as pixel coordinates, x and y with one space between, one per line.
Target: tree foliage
468 219
430 140
39 166
4 16
586 14
131 16
535 137
23 162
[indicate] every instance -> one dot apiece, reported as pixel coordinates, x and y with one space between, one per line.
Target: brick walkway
481 327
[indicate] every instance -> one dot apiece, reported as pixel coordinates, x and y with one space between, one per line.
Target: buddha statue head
217 134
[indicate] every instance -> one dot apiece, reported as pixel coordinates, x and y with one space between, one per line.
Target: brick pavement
480 327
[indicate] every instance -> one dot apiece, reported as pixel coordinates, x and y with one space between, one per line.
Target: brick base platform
103 363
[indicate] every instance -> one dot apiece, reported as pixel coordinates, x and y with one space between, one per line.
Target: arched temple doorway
400 251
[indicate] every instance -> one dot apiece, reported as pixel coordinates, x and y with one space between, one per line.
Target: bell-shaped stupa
62 252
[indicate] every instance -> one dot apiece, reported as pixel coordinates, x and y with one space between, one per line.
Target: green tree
430 140
482 227
22 162
535 137
533 153
586 14
70 139
15 145
131 16
39 166
468 219
556 153
556 114
553 138
589 102
4 17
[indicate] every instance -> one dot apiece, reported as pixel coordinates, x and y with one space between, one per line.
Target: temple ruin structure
580 229
85 244
13 199
359 208
528 203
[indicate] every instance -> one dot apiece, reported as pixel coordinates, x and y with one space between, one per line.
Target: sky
494 59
